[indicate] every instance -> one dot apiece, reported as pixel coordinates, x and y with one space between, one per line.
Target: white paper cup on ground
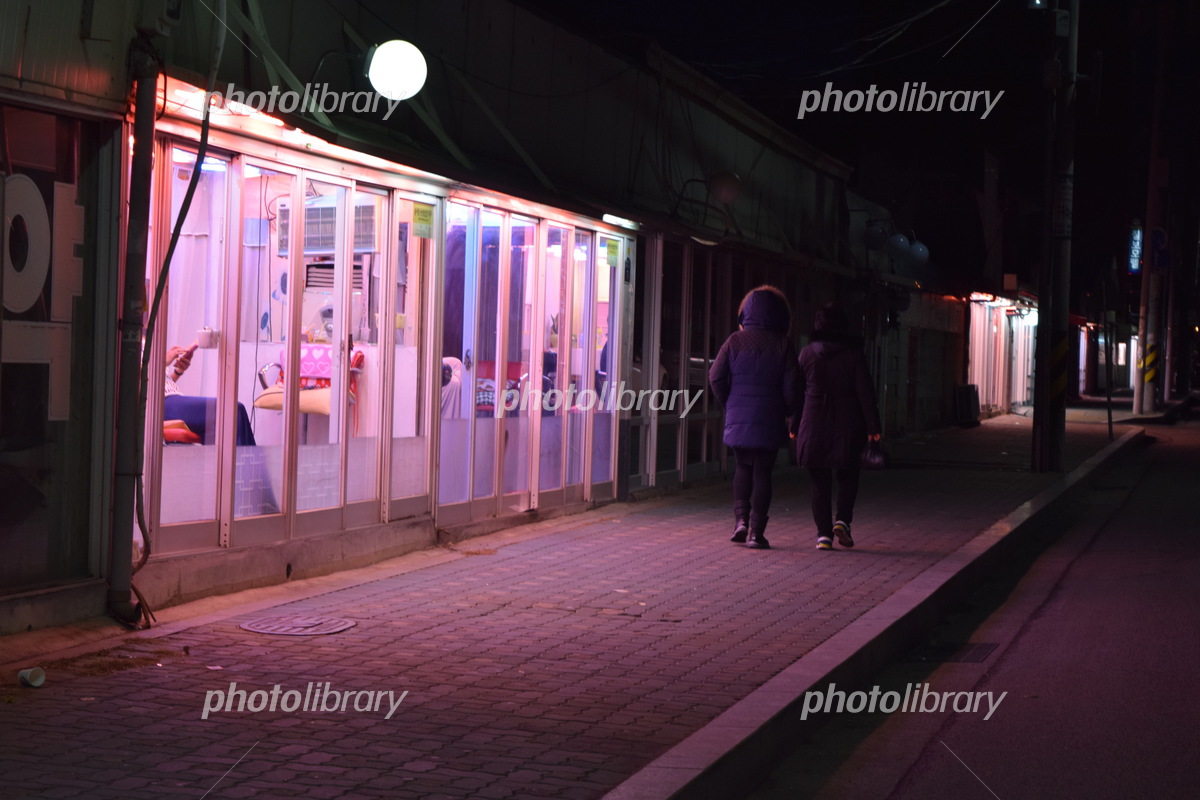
33 677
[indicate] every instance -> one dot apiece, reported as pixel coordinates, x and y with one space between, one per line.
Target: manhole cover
297 625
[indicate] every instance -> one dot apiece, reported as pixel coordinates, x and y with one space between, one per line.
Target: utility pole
1054 289
128 459
1149 375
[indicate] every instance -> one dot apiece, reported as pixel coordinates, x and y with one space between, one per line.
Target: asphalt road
1096 641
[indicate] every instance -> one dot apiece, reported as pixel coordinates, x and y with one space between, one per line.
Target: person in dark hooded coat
754 378
838 416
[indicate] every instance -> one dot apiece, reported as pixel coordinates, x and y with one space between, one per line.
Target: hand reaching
180 358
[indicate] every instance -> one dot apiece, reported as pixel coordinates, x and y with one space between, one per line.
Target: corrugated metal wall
68 50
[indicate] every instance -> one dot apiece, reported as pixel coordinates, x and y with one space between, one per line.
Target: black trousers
822 496
752 483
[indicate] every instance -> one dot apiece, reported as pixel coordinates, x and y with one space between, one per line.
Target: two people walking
822 398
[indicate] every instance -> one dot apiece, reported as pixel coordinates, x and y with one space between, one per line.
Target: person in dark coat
838 416
754 378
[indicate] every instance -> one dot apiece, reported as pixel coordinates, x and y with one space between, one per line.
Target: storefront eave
375 163
443 176
51 98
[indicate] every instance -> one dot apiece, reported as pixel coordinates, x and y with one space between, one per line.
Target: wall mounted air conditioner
320 226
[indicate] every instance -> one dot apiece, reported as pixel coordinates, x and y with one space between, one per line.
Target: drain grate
296 625
954 652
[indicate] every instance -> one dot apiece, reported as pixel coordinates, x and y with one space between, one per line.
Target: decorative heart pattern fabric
316 367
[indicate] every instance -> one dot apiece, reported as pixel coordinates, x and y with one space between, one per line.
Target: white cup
34 677
207 338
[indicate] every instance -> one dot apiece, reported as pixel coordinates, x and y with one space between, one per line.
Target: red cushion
180 435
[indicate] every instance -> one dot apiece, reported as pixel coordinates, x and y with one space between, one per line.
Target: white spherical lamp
396 69
918 254
897 245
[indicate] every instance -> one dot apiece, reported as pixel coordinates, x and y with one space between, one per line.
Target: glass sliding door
491 370
188 337
364 387
262 318
645 366
487 345
515 408
610 252
459 395
696 453
324 357
556 299
578 360
413 250
671 308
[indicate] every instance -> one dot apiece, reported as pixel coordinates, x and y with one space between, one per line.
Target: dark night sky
769 54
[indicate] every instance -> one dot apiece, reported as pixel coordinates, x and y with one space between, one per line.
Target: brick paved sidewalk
553 662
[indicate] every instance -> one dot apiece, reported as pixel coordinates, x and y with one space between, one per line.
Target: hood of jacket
765 309
830 343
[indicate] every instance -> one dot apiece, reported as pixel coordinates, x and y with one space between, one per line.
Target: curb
748 738
1168 416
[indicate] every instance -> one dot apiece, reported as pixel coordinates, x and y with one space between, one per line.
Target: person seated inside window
198 413
452 370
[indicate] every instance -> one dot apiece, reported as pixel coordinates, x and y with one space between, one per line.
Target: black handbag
874 456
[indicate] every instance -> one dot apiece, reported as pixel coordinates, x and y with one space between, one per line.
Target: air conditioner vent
320 227
319 275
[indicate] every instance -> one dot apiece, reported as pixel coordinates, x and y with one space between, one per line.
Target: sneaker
842 531
739 532
824 543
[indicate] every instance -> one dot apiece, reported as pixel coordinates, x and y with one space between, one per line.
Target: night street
1094 647
551 661
666 400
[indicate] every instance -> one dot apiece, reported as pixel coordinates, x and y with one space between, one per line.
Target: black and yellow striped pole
1148 365
1145 387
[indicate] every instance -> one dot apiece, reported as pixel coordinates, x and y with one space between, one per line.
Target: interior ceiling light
396 69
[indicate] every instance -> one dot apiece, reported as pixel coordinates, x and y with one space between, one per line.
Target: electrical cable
888 33
160 289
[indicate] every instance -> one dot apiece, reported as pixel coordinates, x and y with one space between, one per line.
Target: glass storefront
518 431
285 412
692 308
279 392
